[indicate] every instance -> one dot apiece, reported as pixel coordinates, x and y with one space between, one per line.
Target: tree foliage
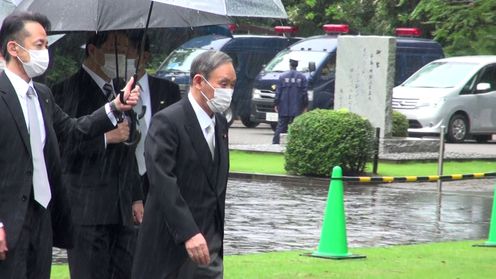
463 27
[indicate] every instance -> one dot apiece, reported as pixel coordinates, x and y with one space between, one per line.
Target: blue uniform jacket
291 93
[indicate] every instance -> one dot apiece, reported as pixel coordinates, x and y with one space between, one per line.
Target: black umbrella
104 15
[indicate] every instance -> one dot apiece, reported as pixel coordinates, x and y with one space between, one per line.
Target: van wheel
457 128
248 124
483 138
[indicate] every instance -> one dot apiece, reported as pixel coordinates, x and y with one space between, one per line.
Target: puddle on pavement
266 216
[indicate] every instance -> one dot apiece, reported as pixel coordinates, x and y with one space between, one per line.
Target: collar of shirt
201 115
145 97
98 80
20 86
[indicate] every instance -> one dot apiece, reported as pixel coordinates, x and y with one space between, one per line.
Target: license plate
271 116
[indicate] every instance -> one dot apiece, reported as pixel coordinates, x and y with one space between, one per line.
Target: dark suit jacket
16 167
187 189
163 93
102 181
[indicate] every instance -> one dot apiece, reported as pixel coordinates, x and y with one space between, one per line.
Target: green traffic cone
491 242
333 243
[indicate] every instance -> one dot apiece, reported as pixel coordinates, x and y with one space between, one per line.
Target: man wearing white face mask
187 159
34 208
156 94
103 202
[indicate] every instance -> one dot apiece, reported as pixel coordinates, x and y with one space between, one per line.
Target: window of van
440 75
280 63
489 76
180 60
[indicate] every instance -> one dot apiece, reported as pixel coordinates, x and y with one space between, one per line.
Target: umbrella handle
134 132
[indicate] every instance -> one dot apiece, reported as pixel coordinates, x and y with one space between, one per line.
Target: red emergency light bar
285 29
408 32
232 27
336 28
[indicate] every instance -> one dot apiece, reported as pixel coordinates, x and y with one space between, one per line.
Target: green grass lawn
435 260
272 163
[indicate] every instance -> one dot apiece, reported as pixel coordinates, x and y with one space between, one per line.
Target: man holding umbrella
33 206
101 174
156 93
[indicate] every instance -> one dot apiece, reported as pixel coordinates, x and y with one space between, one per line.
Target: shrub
400 125
321 139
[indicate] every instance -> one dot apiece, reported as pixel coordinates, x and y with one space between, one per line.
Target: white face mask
130 67
38 62
109 68
221 100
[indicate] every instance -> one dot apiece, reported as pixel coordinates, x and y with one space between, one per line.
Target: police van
249 54
317 60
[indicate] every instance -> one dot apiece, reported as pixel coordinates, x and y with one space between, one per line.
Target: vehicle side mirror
311 66
482 87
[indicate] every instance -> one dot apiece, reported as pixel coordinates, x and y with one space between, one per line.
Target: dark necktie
109 91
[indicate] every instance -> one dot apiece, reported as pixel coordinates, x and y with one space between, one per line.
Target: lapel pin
162 102
46 101
224 136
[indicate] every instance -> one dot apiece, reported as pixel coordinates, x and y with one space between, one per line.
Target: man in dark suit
101 174
187 159
156 94
33 202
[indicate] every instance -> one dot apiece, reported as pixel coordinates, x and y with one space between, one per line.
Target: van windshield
179 61
280 63
440 75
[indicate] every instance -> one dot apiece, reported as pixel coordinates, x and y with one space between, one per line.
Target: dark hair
13 28
207 62
135 38
293 63
96 39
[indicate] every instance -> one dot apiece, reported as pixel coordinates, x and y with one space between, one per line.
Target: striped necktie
109 91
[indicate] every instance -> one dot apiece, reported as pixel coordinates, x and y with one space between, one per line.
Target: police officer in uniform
291 97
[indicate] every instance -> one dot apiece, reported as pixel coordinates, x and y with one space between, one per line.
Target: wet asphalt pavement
264 216
270 216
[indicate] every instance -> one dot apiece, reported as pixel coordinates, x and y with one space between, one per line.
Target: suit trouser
102 252
32 256
282 127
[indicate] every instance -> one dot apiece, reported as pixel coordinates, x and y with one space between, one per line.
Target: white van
457 92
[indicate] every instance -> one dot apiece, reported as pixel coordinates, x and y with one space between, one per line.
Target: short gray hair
207 62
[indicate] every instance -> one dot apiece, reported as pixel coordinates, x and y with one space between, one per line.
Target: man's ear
146 57
12 48
91 50
197 81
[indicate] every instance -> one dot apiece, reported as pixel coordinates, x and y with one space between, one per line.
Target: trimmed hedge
321 139
400 125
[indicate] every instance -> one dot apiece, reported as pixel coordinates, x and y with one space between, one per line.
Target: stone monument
365 72
365 68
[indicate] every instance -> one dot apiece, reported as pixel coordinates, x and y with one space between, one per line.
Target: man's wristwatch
117 114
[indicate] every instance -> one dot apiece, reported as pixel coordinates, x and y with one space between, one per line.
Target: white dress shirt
145 98
21 88
203 118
